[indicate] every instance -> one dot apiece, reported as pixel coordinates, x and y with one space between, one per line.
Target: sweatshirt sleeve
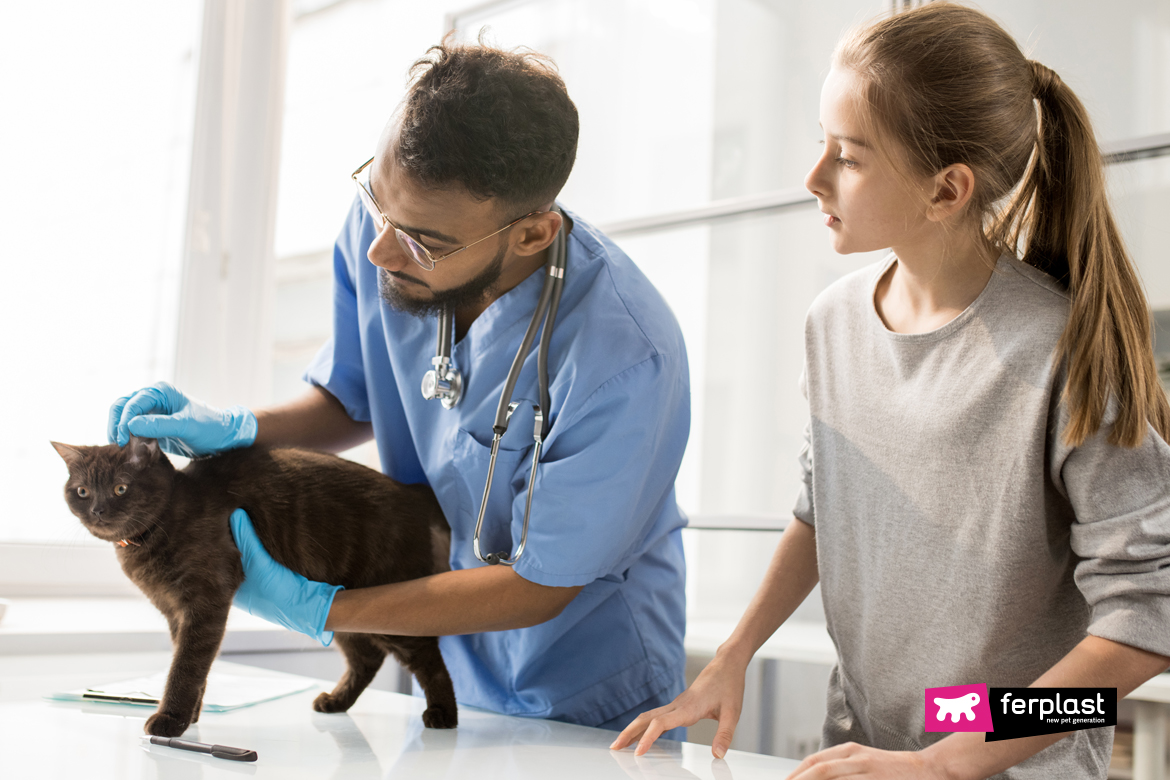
804 509
1121 498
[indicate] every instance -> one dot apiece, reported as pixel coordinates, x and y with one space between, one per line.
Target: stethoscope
445 382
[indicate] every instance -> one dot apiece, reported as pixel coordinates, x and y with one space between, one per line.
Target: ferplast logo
1027 712
958 708
1011 713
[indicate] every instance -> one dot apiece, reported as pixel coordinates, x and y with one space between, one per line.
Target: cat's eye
82 492
120 490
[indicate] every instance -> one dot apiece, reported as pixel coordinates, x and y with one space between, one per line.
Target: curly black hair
498 123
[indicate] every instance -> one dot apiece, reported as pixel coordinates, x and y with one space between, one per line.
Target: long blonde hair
949 86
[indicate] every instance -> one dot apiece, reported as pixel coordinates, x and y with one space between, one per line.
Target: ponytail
949 85
1060 218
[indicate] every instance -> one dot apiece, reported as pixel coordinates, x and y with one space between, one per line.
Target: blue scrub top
603 513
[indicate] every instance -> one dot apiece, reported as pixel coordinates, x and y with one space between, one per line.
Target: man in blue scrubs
587 627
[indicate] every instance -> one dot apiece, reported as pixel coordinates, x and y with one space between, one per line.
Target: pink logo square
958 708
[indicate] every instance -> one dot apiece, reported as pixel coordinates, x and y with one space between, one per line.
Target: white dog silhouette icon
964 705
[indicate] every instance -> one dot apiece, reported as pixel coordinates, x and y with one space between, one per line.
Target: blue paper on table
224 691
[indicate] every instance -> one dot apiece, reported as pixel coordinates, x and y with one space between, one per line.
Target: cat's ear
69 454
143 452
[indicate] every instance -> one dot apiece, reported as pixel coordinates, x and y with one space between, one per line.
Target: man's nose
386 252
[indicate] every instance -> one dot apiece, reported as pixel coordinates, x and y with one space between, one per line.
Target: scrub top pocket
469 463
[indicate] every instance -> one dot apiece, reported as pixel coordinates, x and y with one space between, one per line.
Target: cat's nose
97 511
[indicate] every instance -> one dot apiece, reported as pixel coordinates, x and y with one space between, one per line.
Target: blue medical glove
277 594
183 426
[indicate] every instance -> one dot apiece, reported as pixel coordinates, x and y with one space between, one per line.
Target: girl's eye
82 492
847 163
120 490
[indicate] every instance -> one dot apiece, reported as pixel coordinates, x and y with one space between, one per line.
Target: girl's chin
847 245
841 245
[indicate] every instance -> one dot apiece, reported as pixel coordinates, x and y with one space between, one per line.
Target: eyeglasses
416 251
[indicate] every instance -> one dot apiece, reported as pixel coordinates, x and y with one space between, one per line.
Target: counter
380 737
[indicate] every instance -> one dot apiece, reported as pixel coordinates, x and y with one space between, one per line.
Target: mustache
473 290
406 278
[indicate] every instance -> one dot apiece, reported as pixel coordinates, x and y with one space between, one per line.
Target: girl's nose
816 182
819 180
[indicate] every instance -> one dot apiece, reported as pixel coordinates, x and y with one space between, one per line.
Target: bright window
95 150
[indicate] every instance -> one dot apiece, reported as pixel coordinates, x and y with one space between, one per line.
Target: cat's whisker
157 523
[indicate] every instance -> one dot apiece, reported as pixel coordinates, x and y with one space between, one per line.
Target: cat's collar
136 541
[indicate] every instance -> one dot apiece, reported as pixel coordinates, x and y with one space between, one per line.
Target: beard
472 291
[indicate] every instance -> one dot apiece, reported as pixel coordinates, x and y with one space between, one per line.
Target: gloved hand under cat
183 426
275 593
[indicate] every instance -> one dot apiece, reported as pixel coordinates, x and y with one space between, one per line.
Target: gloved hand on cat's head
276 593
183 426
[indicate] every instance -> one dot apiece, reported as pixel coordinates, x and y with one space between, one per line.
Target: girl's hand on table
717 693
851 760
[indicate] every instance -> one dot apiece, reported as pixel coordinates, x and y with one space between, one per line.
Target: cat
328 518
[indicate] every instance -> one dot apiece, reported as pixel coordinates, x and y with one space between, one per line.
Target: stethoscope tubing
543 308
543 317
543 348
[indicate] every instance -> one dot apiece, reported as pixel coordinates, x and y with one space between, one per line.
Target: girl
985 482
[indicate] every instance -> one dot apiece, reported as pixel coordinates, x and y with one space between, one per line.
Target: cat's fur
329 519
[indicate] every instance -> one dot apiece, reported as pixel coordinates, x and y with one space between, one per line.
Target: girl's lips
830 220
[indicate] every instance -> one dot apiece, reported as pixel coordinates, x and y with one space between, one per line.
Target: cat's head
117 492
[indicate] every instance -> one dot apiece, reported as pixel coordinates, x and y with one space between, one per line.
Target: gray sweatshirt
959 539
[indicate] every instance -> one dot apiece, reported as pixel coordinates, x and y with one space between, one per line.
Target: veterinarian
587 626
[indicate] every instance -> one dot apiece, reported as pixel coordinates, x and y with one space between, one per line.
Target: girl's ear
953 188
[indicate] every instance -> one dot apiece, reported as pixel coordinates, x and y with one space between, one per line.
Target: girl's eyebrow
850 140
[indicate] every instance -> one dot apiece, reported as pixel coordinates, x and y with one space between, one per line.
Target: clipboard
225 692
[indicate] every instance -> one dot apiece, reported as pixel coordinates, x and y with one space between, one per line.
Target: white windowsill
36 626
33 626
796 640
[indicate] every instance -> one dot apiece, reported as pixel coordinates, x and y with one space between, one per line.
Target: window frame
228 260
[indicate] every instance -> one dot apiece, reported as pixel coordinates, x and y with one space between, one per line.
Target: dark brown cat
330 519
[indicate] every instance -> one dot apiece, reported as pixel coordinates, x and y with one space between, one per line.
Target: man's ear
69 454
535 233
953 188
143 452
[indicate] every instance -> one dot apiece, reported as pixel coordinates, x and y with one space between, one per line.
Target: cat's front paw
440 718
327 702
160 724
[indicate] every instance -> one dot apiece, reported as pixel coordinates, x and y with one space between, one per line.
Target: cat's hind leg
363 659
421 657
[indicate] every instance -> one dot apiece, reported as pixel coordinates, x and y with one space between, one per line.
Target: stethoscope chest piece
443 382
